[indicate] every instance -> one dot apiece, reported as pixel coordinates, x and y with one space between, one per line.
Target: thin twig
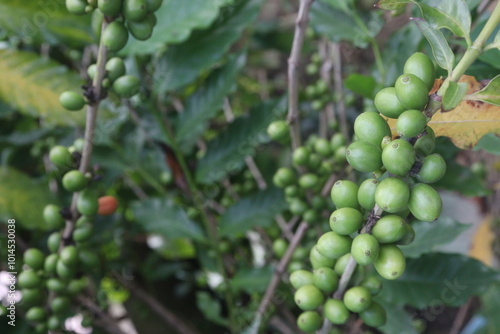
328 185
285 228
107 321
166 315
257 175
293 61
327 113
337 77
280 269
460 318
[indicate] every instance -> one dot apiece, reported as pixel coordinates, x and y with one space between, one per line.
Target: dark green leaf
428 235
162 216
453 95
40 22
439 279
258 209
183 63
462 179
207 101
490 93
452 15
210 307
445 58
176 20
490 143
398 320
393 4
23 198
33 84
226 153
490 304
362 84
252 280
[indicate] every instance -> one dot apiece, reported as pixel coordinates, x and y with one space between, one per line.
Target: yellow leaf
481 243
468 122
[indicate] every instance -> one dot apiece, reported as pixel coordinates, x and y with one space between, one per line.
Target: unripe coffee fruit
374 315
411 91
333 245
318 260
387 103
371 127
389 229
300 278
326 279
308 297
398 157
366 193
364 249
421 66
392 195
357 299
433 168
411 123
335 311
425 203
309 321
345 221
364 156
344 194
391 262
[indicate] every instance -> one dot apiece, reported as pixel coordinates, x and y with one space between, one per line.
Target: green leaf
163 216
226 153
452 15
490 304
183 63
453 95
33 84
398 320
257 209
428 235
339 25
490 93
361 84
392 4
461 179
251 280
439 279
176 20
207 101
40 22
210 307
490 143
445 58
22 198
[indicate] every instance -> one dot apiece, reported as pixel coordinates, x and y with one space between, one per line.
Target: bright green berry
325 279
411 123
135 10
357 299
387 103
389 229
34 258
71 100
115 68
309 321
126 85
373 284
371 127
278 130
391 262
308 297
279 247
366 193
425 203
74 181
421 66
300 278
411 91
392 195
333 245
308 181
28 279
398 157
365 249
115 36
318 260
364 156
336 312
345 221
374 315
433 169
344 194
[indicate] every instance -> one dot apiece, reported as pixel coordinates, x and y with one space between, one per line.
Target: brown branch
293 60
460 318
327 113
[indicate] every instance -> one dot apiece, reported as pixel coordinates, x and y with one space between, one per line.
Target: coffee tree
209 167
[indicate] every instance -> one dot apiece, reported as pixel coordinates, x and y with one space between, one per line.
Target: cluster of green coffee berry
317 92
370 220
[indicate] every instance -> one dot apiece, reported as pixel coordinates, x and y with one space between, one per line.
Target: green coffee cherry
52 216
82 233
50 263
425 203
387 103
60 157
341 264
308 297
60 304
28 279
391 262
337 141
69 255
336 312
318 202
333 245
325 279
301 156
310 216
298 207
357 299
110 7
300 253
76 7
115 36
135 10
34 258
64 271
364 156
53 241
314 161
318 260
31 297
392 195
389 229
365 249
75 286
284 177
279 247
278 130
411 91
408 237
54 323
433 169
142 30
373 284
56 285
421 66
345 221
153 5
427 143
322 147
300 278
371 127
87 203
344 194
115 68
74 181
71 100
309 321
339 157
366 193
398 157
308 180
374 315
35 314
385 141
411 123
126 85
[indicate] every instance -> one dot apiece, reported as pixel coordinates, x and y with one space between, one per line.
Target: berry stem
293 61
